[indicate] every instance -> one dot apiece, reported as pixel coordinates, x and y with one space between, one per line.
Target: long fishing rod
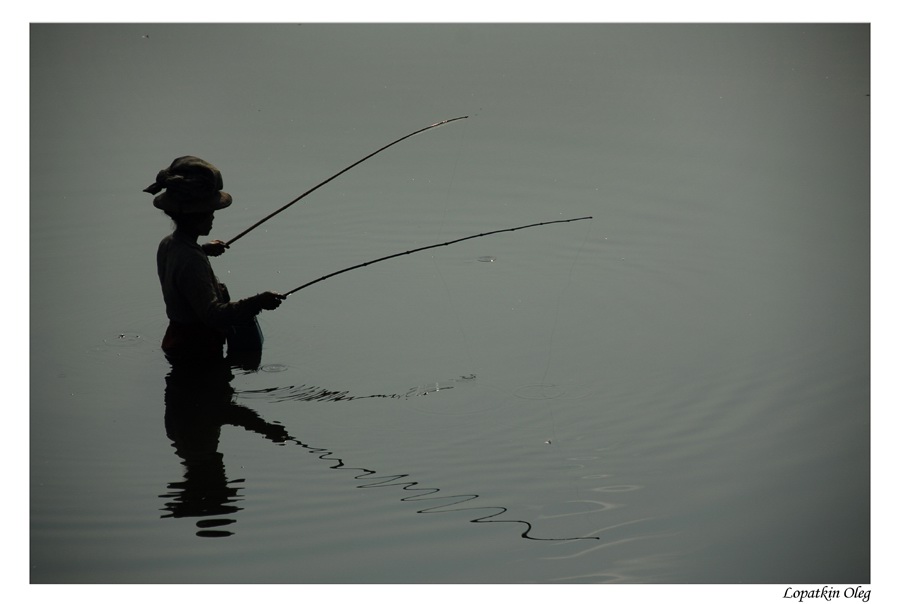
428 247
328 180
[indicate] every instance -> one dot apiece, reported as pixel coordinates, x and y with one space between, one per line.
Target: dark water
676 391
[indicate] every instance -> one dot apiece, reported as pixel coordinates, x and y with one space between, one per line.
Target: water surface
676 391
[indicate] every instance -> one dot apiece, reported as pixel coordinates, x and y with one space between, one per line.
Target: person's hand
270 300
215 247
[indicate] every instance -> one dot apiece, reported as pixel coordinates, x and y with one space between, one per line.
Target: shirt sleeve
198 286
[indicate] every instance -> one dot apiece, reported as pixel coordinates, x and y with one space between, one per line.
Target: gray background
697 354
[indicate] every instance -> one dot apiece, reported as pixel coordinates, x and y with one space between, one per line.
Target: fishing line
587 231
447 293
553 440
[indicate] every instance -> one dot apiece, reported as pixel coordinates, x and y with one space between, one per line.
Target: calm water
676 391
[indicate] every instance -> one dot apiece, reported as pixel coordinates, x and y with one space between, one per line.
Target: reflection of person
199 401
197 304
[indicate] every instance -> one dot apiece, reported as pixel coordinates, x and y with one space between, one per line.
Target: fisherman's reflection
199 401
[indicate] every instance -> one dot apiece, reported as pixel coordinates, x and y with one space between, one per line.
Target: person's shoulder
181 241
183 249
165 245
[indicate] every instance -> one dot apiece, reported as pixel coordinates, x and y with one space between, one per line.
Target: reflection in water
308 393
429 495
200 400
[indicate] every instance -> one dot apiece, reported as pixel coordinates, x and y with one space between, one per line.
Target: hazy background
700 349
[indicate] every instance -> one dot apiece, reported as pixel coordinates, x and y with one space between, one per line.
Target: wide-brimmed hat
190 185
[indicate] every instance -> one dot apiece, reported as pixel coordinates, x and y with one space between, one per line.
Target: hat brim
166 201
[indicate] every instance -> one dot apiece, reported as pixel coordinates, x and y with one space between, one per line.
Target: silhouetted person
199 397
201 313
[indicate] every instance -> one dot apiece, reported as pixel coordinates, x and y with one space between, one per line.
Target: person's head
192 223
189 191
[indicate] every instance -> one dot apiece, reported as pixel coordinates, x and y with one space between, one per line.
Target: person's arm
196 283
216 247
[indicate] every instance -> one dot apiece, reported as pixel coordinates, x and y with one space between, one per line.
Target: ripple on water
540 392
125 338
